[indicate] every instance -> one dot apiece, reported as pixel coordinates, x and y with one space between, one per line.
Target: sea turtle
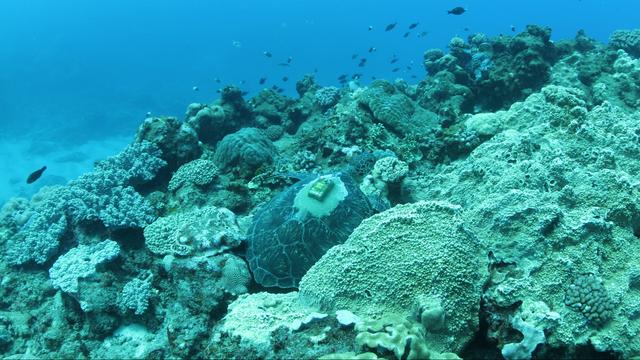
292 231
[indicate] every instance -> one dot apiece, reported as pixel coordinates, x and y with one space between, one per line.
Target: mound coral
394 258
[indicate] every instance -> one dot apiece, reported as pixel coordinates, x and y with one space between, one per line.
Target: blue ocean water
78 71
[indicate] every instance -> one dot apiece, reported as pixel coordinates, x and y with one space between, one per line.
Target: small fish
414 77
285 79
513 28
394 60
242 82
458 10
36 175
406 34
354 56
363 62
342 77
195 88
395 69
409 67
244 93
274 87
466 29
356 76
217 80
280 90
413 26
370 27
289 60
236 44
372 49
267 54
390 27
284 64
262 81
422 34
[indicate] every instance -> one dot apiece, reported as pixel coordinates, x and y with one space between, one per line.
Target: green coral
627 40
199 172
404 338
207 230
395 257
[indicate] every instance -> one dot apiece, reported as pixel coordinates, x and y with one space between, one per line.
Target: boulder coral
395 258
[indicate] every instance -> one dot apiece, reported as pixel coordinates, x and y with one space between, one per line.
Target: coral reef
491 209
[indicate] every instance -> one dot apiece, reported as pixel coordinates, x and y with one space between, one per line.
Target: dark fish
408 67
217 80
280 90
458 10
513 28
413 26
395 69
406 34
372 49
244 93
354 56
356 76
466 29
394 60
342 77
285 79
363 62
262 81
36 175
422 34
289 60
267 54
195 88
284 64
390 27
370 27
274 87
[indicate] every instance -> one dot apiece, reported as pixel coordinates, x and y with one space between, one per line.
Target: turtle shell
292 231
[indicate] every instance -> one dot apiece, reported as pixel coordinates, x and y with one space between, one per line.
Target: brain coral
248 149
395 259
